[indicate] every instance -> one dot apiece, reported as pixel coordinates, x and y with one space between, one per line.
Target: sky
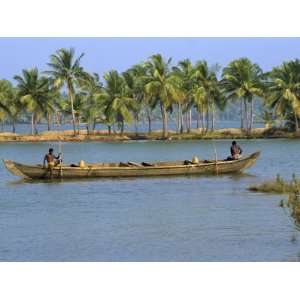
104 54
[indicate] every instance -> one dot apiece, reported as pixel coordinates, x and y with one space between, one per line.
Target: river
148 219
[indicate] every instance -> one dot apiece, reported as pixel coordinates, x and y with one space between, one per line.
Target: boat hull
94 171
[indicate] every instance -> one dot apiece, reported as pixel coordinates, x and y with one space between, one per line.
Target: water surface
147 219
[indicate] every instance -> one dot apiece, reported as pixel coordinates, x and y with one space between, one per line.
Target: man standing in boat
236 151
51 160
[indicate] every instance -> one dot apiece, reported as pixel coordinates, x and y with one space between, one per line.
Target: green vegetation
278 186
151 90
281 186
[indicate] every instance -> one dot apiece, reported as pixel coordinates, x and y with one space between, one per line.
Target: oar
60 149
216 158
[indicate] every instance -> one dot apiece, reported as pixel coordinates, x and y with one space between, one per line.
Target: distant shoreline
103 136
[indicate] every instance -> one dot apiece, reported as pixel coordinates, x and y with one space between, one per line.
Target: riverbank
102 135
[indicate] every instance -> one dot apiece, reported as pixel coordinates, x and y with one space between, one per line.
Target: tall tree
10 105
242 80
283 90
66 70
184 71
117 100
34 91
92 110
162 85
207 93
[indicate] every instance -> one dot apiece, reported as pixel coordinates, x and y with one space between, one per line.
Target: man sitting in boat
51 159
236 151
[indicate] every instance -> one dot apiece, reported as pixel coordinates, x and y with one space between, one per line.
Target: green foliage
66 70
278 186
243 80
282 91
281 186
151 90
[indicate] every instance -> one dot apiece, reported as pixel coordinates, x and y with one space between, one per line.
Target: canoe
132 169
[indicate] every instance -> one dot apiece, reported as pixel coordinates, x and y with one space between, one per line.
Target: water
147 219
142 126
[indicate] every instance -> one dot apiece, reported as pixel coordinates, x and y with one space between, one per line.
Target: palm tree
206 91
10 107
162 85
283 90
92 88
66 70
117 100
184 71
136 79
34 91
241 80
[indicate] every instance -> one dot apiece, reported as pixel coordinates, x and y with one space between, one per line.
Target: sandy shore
100 135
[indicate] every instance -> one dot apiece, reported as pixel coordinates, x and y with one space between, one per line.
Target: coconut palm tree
66 70
136 79
10 106
92 88
184 70
117 100
34 92
283 90
242 80
163 86
207 95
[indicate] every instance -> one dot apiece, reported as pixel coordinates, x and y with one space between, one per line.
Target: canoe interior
134 164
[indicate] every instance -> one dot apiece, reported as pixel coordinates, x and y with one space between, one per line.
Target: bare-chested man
51 160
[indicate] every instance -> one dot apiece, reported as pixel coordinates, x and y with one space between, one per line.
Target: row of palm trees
67 91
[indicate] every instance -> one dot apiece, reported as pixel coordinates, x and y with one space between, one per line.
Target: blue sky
103 54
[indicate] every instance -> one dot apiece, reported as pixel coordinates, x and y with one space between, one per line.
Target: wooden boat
132 169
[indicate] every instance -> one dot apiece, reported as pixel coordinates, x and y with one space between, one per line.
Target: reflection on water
142 127
181 218
235 176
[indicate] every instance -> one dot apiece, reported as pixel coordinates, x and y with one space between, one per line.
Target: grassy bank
277 186
102 135
281 186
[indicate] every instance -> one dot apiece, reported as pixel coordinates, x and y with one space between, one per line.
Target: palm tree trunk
181 121
149 124
13 126
242 114
49 121
212 116
202 119
246 116
109 129
136 125
164 119
78 124
35 125
71 99
186 122
178 119
122 127
296 122
94 124
207 121
190 119
32 123
198 120
251 115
